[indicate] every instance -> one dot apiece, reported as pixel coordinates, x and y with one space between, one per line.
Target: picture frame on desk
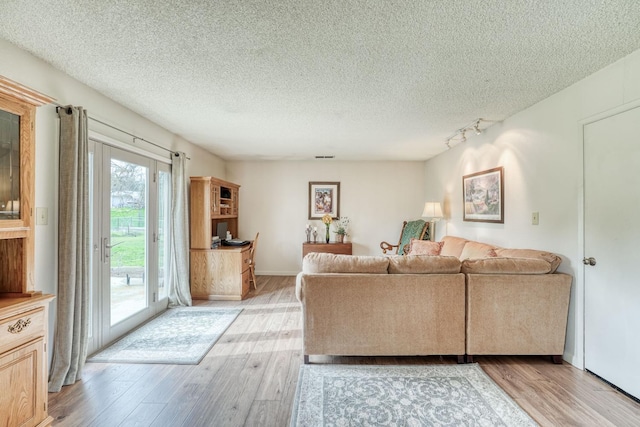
324 198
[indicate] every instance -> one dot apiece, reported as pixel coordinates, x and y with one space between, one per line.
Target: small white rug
411 395
180 336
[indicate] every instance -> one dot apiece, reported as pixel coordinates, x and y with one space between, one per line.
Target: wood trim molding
16 90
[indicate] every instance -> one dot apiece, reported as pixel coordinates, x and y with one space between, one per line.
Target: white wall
24 68
540 149
274 197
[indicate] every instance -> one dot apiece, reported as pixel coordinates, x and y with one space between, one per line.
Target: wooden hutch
221 273
24 315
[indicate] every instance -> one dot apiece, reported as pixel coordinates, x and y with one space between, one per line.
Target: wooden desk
220 274
331 248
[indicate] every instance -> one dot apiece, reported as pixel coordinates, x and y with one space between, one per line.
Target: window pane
128 239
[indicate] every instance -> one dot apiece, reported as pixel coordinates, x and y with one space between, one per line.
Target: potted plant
341 225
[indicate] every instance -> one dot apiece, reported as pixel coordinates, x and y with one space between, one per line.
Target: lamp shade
432 210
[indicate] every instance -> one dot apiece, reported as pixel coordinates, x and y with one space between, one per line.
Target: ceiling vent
325 157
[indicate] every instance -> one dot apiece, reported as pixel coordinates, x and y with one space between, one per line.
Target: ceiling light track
460 135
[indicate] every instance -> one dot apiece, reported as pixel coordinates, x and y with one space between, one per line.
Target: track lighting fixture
460 135
476 127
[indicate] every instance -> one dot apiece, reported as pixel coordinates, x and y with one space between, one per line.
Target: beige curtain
72 322
179 291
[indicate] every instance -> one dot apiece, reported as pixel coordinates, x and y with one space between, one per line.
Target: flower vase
327 234
339 238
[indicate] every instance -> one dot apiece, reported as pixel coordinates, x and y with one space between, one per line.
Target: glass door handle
108 246
106 251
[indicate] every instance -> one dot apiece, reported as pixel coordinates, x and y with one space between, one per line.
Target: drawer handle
19 326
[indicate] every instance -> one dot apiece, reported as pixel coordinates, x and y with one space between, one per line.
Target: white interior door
612 233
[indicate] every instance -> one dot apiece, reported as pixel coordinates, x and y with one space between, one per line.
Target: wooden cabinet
332 248
220 274
213 201
23 310
23 361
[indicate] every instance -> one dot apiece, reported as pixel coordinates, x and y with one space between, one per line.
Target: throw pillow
452 246
424 247
475 250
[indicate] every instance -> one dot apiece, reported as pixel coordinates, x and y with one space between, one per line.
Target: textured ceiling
290 79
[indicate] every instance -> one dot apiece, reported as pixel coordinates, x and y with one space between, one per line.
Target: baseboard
573 360
276 273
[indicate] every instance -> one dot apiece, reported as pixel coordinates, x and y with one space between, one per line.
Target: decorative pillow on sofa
475 250
551 258
452 246
423 264
316 262
506 266
424 247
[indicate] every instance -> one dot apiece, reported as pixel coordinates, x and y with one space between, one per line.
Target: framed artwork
324 198
483 196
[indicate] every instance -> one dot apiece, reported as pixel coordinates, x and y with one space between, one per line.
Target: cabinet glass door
9 166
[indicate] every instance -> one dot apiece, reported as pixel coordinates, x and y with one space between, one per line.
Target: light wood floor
249 379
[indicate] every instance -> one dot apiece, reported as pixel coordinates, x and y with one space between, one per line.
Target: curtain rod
123 131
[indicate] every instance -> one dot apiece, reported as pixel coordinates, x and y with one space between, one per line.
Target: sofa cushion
506 266
316 262
424 247
423 264
551 258
452 246
475 250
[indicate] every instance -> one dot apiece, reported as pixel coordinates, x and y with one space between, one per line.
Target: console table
331 248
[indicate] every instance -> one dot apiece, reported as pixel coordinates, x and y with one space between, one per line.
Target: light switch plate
42 216
535 218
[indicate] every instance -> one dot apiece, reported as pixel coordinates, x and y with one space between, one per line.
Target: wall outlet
42 216
535 218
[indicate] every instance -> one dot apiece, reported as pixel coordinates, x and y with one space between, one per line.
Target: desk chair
252 262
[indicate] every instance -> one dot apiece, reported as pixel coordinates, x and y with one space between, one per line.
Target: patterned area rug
415 395
180 336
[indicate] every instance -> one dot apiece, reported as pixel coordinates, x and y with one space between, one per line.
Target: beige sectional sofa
470 299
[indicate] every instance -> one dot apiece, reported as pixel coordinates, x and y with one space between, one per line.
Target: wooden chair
252 262
417 229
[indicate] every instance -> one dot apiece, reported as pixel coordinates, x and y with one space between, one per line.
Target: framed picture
483 196
324 198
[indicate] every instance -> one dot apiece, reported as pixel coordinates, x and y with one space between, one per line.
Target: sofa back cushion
424 264
551 258
452 246
506 266
475 250
424 247
316 262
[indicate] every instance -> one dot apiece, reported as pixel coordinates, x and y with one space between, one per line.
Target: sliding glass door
130 204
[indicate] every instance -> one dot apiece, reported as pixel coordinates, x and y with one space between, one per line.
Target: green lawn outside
128 226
